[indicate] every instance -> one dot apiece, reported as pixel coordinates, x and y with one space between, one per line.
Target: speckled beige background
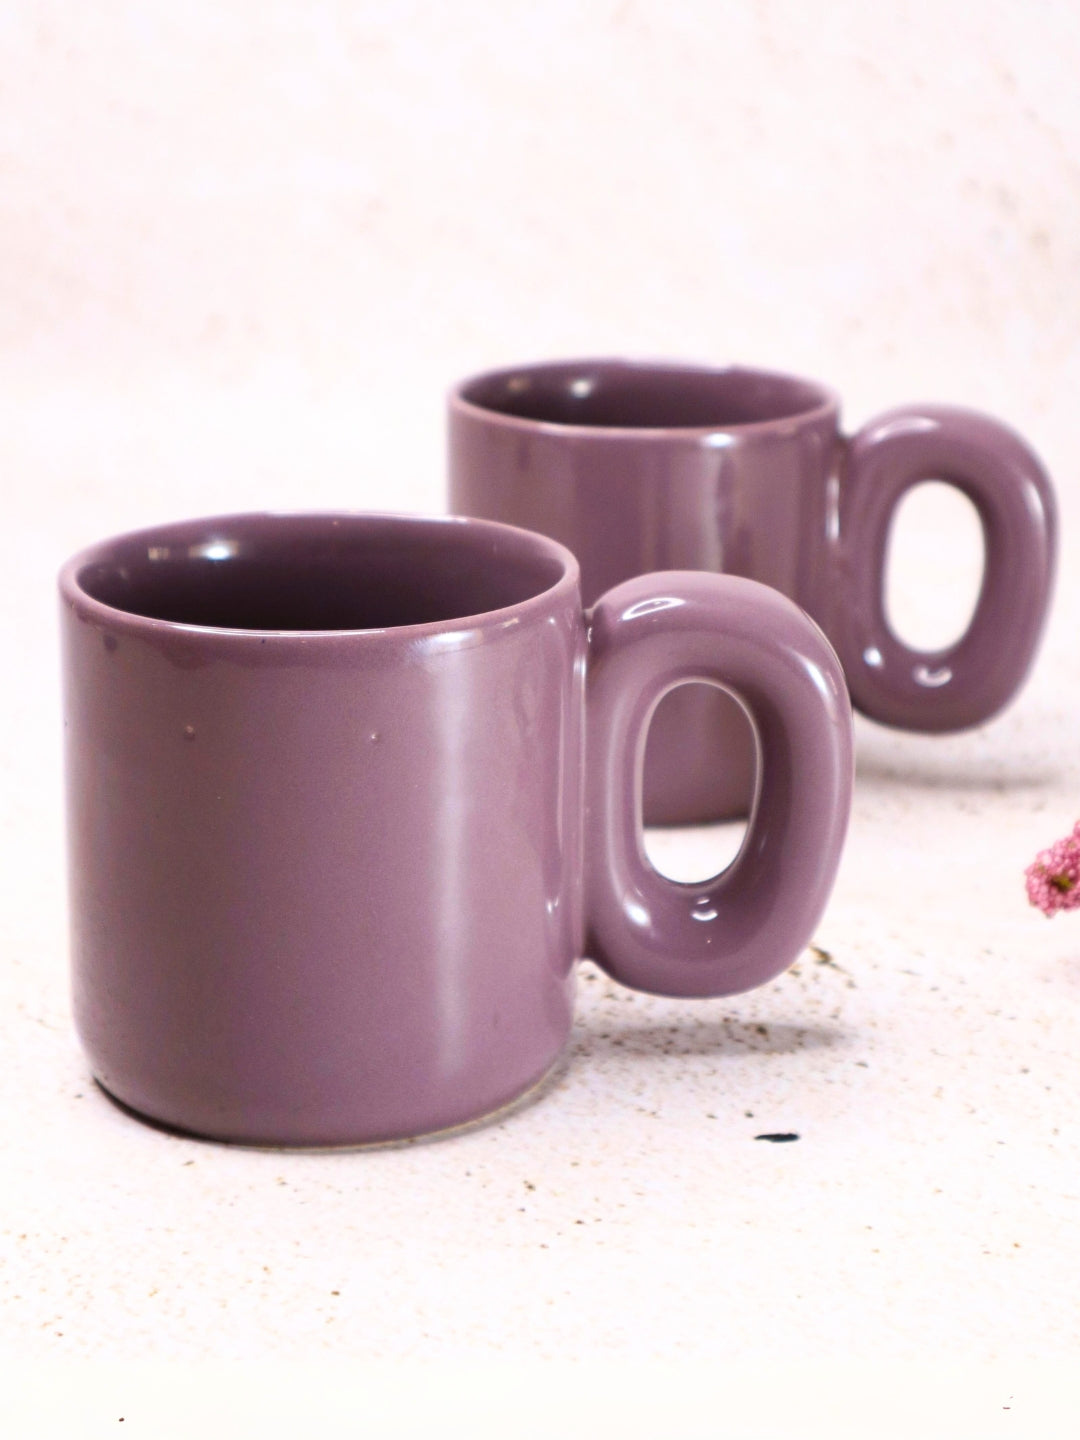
243 250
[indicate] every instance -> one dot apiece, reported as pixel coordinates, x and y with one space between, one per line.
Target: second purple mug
334 844
639 467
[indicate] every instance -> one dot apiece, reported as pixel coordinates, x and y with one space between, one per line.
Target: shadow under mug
638 467
333 850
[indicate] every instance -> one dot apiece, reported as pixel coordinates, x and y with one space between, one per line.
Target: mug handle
746 925
970 680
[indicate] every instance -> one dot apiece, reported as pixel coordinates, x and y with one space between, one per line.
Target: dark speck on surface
778 1137
111 642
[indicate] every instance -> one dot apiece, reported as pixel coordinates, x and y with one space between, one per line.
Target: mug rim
86 606
828 399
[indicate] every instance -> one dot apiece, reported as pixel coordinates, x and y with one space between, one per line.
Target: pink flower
1053 879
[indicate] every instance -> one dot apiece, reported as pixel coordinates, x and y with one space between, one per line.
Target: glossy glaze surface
743 927
327 883
971 680
645 467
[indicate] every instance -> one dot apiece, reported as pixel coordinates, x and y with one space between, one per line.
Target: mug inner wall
644 397
306 576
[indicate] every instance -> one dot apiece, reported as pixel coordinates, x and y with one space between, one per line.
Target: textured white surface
243 250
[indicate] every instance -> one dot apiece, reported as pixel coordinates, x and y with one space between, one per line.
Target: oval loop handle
748 924
969 681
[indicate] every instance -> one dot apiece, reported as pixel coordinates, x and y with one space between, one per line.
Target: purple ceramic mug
640 467
331 866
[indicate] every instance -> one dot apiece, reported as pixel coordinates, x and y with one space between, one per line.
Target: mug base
534 1092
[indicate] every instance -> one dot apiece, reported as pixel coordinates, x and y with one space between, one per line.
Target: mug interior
320 573
625 395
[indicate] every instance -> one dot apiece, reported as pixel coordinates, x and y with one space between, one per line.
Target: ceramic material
330 863
639 467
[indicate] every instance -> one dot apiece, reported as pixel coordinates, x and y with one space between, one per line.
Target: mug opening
320 573
611 394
